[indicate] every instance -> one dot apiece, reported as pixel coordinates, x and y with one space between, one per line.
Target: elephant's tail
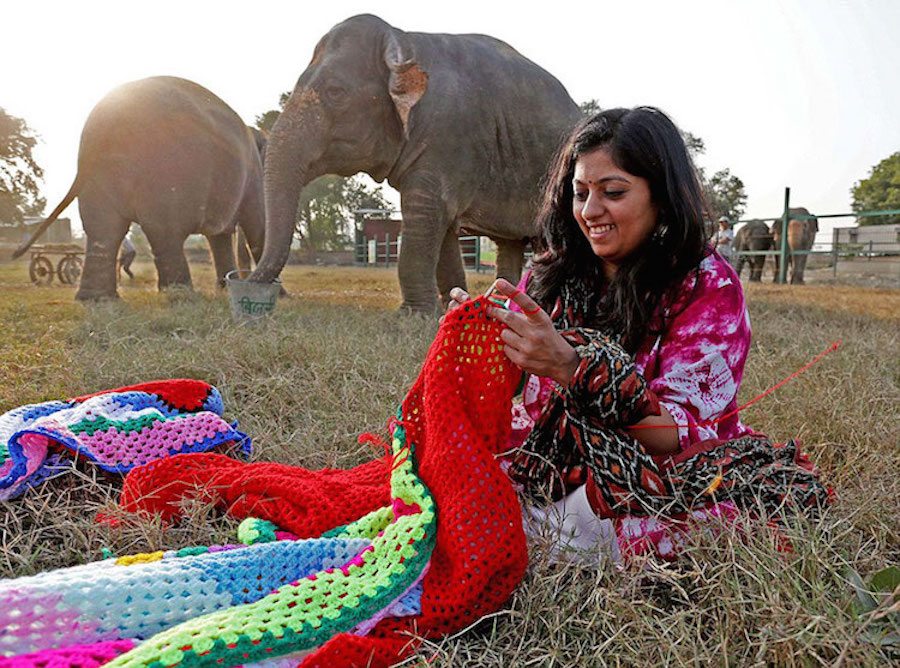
66 201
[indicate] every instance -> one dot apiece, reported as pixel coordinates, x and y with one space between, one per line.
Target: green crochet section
304 615
124 426
254 530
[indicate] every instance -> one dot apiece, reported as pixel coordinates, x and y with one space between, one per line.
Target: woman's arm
696 367
531 342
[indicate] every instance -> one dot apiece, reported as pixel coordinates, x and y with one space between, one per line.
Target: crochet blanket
115 429
445 548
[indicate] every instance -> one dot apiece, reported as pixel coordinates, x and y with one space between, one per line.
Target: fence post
783 254
870 249
834 251
387 249
478 255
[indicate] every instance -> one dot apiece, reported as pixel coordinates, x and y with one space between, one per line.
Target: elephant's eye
334 93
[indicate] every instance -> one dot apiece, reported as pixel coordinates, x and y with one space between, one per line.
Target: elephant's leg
799 266
168 255
510 254
755 270
450 269
222 248
105 230
251 226
242 250
739 265
425 223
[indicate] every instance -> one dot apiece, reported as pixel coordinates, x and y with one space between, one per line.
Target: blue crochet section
35 411
214 402
410 603
141 400
285 562
105 600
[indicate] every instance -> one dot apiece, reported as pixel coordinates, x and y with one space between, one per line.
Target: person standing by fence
724 239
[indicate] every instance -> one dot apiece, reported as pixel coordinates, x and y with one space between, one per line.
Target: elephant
800 236
171 156
754 236
462 125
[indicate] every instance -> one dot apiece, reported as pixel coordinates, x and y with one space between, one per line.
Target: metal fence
385 251
847 242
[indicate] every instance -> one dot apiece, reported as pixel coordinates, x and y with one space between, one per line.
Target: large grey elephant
462 125
754 236
801 236
172 157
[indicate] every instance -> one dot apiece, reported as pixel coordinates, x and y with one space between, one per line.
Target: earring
659 234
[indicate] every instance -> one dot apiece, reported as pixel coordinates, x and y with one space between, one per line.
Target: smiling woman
633 333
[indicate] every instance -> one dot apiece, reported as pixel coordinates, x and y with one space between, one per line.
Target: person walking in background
724 239
127 254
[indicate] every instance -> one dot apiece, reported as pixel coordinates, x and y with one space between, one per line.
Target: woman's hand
530 340
457 297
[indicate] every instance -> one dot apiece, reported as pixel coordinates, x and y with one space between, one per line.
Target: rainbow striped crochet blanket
116 429
264 603
374 572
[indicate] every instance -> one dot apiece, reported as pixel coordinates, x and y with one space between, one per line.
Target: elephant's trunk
293 147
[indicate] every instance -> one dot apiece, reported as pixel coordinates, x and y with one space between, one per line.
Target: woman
633 333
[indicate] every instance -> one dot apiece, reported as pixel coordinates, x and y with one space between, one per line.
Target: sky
798 93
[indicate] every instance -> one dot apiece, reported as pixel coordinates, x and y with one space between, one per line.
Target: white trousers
573 531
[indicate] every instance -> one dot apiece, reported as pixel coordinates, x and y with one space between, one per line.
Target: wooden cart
67 268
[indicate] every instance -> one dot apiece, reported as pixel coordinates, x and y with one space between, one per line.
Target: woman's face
612 207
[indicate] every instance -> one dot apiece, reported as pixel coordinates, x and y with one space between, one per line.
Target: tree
724 192
695 146
266 120
725 195
590 107
880 191
325 211
19 173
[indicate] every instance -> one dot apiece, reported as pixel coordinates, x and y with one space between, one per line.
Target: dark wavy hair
644 142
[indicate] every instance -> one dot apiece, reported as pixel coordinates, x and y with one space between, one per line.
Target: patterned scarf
580 438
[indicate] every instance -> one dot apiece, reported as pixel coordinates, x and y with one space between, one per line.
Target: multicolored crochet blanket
115 429
440 526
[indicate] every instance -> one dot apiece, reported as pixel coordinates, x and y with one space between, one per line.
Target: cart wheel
69 269
41 270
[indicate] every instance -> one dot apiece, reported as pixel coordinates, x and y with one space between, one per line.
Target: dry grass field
335 360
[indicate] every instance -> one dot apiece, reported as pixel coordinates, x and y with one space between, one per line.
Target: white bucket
250 300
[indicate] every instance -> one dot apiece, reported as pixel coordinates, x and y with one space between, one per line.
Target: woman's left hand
530 340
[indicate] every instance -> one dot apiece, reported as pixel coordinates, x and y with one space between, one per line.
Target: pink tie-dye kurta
694 368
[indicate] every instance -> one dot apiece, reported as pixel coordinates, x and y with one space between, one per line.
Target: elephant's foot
425 310
88 295
178 292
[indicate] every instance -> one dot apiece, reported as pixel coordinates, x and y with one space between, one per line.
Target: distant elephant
801 236
172 157
754 236
462 125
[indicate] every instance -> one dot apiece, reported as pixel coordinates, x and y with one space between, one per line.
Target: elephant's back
168 142
163 118
497 75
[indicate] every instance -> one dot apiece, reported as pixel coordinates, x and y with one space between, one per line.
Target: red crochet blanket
457 416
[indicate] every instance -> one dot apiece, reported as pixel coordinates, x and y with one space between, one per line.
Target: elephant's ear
407 81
